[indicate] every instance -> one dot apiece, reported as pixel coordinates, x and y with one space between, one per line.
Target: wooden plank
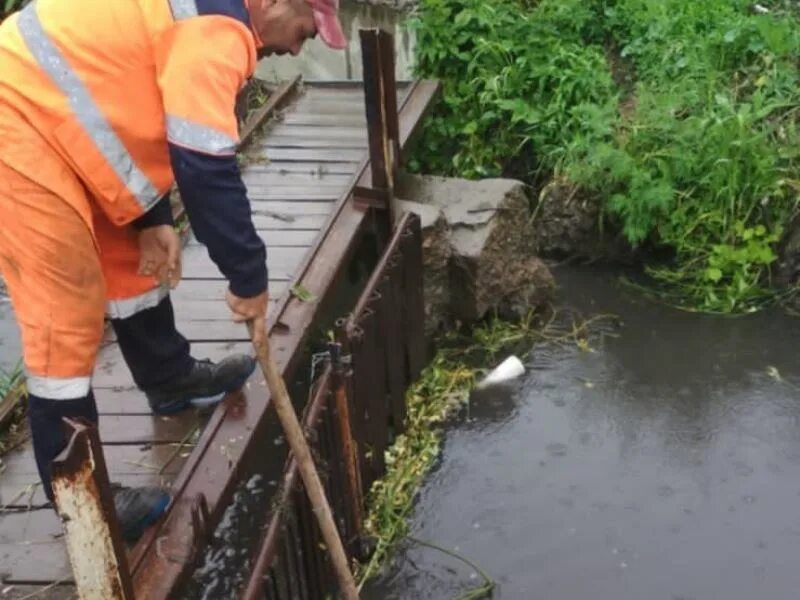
313 168
280 262
136 429
303 132
270 220
315 91
351 109
283 238
276 99
280 141
296 193
208 310
278 180
64 591
39 526
214 290
319 120
146 460
283 209
198 330
24 492
39 563
321 155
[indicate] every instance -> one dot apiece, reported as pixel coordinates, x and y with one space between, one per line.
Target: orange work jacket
108 84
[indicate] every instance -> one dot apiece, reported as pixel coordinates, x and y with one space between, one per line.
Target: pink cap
329 27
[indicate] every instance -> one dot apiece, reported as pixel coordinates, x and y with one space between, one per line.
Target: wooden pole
302 454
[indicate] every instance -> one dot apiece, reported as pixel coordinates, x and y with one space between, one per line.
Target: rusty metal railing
358 406
84 503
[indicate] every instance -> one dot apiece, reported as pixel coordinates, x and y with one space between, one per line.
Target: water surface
663 464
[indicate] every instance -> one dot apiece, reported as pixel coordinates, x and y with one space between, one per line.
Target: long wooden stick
305 462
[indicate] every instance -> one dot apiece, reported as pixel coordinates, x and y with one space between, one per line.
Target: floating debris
509 369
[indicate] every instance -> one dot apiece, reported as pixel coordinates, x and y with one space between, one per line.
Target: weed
702 164
9 6
442 389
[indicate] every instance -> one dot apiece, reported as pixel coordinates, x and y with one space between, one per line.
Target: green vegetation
9 6
443 389
11 379
12 405
681 116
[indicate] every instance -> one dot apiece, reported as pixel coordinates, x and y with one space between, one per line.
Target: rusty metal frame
380 91
289 551
155 575
291 479
85 505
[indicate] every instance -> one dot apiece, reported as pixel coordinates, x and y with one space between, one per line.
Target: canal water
664 464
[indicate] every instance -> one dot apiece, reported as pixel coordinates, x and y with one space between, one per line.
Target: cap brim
330 30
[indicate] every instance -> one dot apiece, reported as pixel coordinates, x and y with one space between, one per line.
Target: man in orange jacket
103 106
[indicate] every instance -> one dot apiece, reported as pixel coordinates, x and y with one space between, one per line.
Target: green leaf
301 293
713 274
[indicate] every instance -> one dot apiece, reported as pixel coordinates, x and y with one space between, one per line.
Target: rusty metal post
84 502
349 450
380 96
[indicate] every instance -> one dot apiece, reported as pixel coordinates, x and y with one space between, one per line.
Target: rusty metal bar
380 95
394 344
414 304
84 502
273 103
377 274
375 107
389 89
348 446
157 575
269 547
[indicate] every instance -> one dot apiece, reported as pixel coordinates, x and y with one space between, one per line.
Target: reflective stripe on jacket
111 85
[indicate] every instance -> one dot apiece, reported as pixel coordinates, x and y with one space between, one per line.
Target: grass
10 6
694 154
10 379
443 389
12 406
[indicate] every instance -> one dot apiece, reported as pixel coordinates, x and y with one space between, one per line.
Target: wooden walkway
300 174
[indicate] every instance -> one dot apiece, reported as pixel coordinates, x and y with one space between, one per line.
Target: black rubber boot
203 386
138 508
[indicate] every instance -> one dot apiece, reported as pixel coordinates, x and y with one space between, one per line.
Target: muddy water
665 465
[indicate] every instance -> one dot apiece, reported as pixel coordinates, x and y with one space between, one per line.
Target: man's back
108 84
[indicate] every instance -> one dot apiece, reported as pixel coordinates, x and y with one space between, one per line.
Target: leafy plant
10 6
705 150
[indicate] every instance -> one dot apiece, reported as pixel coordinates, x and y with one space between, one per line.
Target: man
103 106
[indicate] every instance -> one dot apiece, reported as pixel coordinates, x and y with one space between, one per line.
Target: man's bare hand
250 309
160 254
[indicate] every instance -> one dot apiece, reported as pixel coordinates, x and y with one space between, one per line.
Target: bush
702 160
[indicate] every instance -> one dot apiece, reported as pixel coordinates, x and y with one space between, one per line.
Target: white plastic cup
509 369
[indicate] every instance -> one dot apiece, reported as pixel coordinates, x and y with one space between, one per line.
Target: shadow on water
663 463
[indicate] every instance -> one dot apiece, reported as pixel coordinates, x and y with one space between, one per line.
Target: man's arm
219 213
203 63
